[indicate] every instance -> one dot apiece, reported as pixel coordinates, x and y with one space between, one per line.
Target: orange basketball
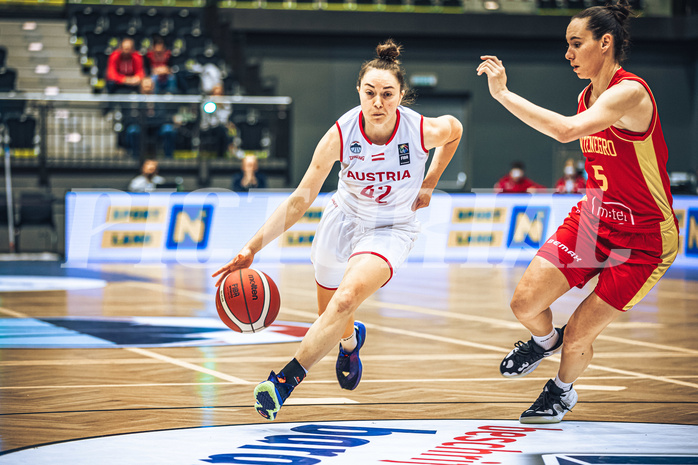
248 301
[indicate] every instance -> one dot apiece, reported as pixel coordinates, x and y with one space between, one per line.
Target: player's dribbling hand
496 74
242 260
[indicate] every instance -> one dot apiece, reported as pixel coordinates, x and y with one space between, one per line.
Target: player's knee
577 348
523 305
344 301
576 342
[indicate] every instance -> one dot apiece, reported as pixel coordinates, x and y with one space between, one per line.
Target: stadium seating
120 22
36 210
96 33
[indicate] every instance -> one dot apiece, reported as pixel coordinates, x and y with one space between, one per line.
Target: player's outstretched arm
444 133
613 104
293 208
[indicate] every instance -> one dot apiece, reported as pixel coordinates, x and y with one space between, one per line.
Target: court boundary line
326 381
357 404
283 359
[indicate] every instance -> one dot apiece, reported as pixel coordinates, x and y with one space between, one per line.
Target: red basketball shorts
628 264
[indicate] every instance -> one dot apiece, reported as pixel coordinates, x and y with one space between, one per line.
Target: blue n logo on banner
189 227
528 226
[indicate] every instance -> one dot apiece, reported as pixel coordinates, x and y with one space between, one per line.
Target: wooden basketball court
436 335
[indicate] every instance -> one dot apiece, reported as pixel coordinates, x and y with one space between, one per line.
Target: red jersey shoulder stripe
341 143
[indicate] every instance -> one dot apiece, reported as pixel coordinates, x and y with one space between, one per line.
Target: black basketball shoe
551 405
526 356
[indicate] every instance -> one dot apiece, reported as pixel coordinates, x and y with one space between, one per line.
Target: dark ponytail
610 19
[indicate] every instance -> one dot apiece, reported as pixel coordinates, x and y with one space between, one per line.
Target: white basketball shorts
340 236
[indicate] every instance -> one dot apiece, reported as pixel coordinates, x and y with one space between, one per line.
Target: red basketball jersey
628 184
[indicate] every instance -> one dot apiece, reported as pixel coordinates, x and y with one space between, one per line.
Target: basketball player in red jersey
369 225
624 230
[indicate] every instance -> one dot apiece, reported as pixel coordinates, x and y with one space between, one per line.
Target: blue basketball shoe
349 366
270 395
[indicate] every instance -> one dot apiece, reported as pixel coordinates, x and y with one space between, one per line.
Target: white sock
349 343
548 341
562 385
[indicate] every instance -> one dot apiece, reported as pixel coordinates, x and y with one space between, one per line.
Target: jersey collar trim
392 136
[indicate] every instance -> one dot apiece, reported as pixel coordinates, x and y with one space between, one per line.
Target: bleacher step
56 56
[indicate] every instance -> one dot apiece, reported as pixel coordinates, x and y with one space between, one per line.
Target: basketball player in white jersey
368 227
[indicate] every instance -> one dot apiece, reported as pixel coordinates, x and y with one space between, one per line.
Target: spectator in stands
158 60
215 125
571 181
154 119
249 176
148 180
124 69
210 75
516 182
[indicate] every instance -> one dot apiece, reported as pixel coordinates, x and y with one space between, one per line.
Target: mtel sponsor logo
474 446
614 212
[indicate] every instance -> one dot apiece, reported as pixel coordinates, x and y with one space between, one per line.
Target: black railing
84 131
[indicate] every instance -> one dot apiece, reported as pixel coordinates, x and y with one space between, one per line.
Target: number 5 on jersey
600 177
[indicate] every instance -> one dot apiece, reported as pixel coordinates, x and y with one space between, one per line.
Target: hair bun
389 51
620 10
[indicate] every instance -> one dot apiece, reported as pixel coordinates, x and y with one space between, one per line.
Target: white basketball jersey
379 183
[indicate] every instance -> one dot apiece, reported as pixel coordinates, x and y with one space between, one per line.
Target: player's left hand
242 260
423 199
496 74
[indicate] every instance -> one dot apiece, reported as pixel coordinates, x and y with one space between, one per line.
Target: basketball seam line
244 299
